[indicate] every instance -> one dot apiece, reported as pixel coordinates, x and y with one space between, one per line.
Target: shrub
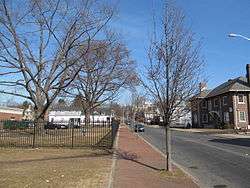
228 126
13 125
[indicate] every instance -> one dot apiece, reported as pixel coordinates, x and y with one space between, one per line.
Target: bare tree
135 109
174 68
107 69
38 40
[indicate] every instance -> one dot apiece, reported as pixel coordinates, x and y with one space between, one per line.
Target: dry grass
54 168
175 174
57 138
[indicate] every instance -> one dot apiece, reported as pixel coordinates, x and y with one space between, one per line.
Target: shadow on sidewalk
130 156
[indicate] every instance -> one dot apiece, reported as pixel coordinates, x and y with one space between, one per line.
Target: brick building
7 113
227 105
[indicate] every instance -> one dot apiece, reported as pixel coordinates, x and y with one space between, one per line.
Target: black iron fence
57 134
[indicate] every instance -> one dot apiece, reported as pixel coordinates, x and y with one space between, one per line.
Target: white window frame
223 100
242 98
244 116
203 118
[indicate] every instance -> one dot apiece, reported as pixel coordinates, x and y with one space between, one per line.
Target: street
212 160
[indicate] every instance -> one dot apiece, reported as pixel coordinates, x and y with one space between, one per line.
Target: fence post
72 135
113 133
34 135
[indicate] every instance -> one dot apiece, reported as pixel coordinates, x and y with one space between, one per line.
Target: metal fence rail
57 134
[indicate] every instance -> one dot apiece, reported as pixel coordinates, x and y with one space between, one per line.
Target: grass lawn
56 138
54 168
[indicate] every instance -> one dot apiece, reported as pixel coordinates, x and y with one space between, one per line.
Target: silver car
139 128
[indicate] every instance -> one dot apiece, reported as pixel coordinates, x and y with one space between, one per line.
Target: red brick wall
221 108
242 108
8 116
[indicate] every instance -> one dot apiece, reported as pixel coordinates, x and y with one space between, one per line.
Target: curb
162 154
152 126
114 159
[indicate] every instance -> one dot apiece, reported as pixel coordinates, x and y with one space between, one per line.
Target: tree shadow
130 156
235 141
83 156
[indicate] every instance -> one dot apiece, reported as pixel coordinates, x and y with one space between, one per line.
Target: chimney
203 86
248 73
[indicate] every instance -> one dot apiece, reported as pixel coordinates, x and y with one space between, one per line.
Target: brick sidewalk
138 165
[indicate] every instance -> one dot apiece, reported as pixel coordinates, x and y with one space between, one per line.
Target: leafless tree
38 40
107 69
174 68
135 108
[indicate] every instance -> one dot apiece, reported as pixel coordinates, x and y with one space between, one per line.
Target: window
209 105
226 117
204 104
216 102
204 118
224 100
242 116
241 99
195 118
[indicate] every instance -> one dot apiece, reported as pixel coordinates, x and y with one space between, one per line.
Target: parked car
139 128
51 125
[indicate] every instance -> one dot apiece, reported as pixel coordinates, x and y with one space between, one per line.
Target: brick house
226 105
8 113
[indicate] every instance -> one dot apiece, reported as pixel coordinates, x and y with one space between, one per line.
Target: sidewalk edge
114 159
176 164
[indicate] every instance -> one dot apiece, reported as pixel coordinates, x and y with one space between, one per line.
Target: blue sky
210 20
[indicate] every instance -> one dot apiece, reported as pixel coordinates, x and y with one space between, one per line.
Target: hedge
13 125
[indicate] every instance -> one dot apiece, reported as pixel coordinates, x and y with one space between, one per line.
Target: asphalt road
213 161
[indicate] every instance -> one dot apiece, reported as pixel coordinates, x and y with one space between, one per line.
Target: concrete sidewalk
138 165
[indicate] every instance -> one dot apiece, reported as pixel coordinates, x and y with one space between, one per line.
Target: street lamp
238 35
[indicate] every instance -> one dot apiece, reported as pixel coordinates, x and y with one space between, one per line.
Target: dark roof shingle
237 84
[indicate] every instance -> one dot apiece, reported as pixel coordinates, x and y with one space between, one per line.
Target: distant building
66 116
226 105
181 115
8 113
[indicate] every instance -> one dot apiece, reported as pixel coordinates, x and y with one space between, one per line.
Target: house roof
202 94
237 84
65 108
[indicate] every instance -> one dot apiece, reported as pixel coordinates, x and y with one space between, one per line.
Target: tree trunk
168 147
39 120
87 117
